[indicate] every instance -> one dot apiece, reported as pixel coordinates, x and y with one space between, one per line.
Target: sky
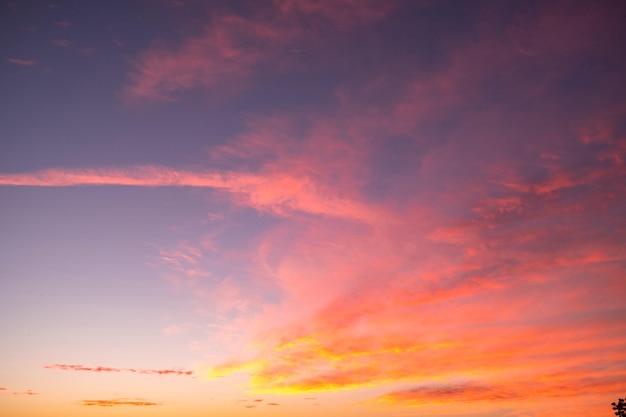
347 208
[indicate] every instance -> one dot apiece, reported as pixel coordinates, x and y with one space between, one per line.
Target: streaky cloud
137 402
22 62
65 367
279 193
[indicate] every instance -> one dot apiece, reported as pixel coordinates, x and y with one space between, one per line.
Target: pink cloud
493 252
227 50
184 256
231 47
22 62
280 194
496 248
61 43
173 329
346 14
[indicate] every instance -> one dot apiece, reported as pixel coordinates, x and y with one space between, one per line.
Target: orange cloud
469 392
26 392
64 367
119 402
449 393
381 343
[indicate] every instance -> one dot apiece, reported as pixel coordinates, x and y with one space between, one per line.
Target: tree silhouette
620 408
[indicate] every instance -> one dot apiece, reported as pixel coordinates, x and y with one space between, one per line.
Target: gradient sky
344 208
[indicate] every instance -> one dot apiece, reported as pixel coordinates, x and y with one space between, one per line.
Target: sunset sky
342 208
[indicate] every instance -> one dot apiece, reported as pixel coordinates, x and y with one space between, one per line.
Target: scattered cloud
26 392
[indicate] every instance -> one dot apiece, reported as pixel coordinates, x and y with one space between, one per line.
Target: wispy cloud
22 62
138 402
61 43
28 392
232 46
343 14
173 329
6 391
65 367
226 51
276 193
